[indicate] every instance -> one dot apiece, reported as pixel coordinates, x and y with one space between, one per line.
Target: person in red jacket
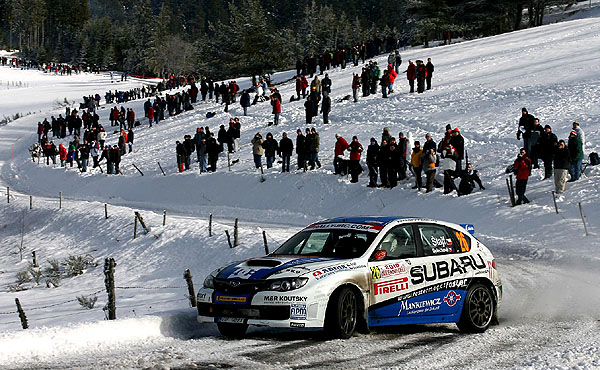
522 167
355 149
276 103
340 146
62 154
411 73
150 115
392 77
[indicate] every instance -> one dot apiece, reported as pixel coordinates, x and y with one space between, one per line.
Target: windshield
327 243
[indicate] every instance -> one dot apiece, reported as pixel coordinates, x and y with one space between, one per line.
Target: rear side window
464 241
436 240
399 243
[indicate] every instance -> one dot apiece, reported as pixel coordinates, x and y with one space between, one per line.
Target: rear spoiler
470 228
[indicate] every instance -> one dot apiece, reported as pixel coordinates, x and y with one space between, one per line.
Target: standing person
286 146
213 149
116 159
181 154
421 75
326 85
122 142
575 155
402 149
315 150
62 154
536 133
411 74
201 153
580 133
84 155
522 168
270 147
392 74
276 103
340 146
355 150
95 152
415 162
355 86
430 69
525 125
546 144
326 108
458 143
562 164
222 137
257 149
245 101
384 82
398 61
429 159
236 138
130 139
372 153
309 108
383 162
448 163
393 157
189 149
301 149
101 137
150 114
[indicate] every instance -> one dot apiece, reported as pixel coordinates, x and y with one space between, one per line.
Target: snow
549 316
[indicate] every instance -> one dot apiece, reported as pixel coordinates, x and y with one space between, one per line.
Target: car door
389 270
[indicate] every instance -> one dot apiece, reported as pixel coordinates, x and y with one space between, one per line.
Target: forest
226 38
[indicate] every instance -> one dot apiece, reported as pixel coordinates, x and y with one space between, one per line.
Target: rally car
351 274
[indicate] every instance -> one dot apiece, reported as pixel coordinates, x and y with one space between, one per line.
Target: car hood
272 267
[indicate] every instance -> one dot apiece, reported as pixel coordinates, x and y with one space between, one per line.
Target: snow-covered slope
479 86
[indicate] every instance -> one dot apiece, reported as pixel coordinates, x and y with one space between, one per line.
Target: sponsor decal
464 245
297 325
241 273
284 298
441 250
222 298
412 308
446 285
203 297
298 312
391 286
382 272
347 226
451 298
445 269
439 242
327 271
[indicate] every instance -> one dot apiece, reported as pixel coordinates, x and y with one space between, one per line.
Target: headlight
284 285
209 282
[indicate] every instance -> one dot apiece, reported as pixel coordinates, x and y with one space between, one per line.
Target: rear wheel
342 312
232 330
478 310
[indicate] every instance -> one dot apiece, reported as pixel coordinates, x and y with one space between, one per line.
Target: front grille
239 286
249 312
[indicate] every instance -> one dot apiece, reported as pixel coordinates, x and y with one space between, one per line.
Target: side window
436 240
464 241
399 243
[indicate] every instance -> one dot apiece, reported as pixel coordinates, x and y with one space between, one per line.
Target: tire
478 310
342 314
232 330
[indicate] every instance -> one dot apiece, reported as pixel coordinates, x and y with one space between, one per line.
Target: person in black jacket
525 125
84 155
326 108
301 149
421 75
326 84
430 69
181 154
429 144
458 142
130 139
286 147
270 147
222 136
213 149
562 163
383 162
245 101
372 153
546 145
536 133
189 149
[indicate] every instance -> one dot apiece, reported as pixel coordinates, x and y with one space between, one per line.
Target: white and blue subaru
350 274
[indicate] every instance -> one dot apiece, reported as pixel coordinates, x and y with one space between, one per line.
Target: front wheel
342 311
477 311
232 330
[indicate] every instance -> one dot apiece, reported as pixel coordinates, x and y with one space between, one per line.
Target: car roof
376 220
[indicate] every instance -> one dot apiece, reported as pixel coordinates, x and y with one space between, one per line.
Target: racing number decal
464 246
376 273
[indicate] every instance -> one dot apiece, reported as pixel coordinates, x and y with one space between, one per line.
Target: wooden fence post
164 217
583 220
22 316
31 202
161 169
59 199
8 194
109 282
554 198
139 217
228 238
34 257
106 211
265 242
210 225
135 227
188 278
236 240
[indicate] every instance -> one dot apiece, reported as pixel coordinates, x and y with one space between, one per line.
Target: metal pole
554 197
583 220
59 199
